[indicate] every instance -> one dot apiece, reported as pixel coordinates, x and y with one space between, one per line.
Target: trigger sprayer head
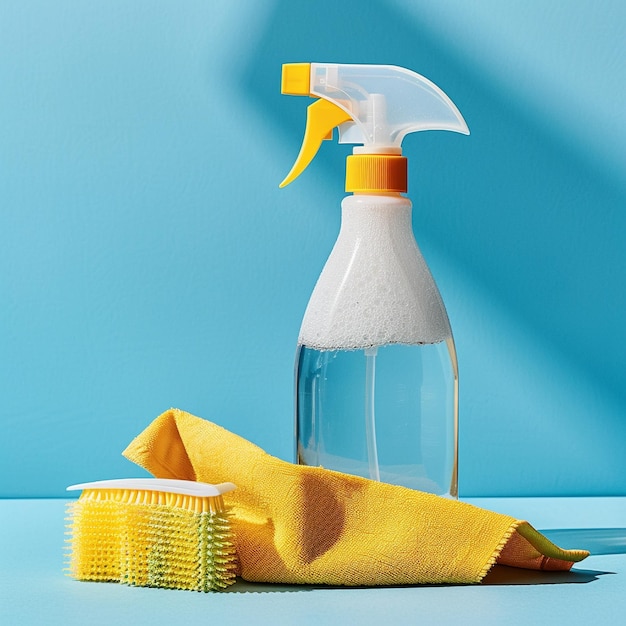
372 105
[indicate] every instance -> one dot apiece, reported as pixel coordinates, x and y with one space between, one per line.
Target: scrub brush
151 532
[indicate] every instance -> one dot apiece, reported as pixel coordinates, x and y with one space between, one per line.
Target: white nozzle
385 103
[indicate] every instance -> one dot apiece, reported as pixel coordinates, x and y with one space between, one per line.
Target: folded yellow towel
297 524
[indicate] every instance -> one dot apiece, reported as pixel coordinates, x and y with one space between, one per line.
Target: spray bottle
376 367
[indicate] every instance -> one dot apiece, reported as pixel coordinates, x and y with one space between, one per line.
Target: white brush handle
166 485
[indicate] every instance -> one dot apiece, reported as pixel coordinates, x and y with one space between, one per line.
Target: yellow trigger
321 118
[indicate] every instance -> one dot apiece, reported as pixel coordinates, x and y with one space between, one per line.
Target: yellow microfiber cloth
298 524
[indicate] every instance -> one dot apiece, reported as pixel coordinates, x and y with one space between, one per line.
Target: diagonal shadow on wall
527 215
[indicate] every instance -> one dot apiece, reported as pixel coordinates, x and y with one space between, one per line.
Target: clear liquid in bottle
388 413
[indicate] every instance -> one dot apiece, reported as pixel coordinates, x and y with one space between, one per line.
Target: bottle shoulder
374 289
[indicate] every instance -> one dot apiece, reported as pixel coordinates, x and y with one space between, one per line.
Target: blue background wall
148 258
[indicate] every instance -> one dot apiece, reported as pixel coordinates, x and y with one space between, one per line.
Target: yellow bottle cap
368 173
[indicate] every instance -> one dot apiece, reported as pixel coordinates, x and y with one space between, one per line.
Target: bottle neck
378 200
378 216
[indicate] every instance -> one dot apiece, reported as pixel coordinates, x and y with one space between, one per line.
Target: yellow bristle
151 538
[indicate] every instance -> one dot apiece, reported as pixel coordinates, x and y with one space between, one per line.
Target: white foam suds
375 288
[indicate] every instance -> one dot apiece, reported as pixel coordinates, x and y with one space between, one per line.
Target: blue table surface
34 589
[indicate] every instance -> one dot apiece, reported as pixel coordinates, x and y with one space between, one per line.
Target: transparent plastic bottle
376 368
